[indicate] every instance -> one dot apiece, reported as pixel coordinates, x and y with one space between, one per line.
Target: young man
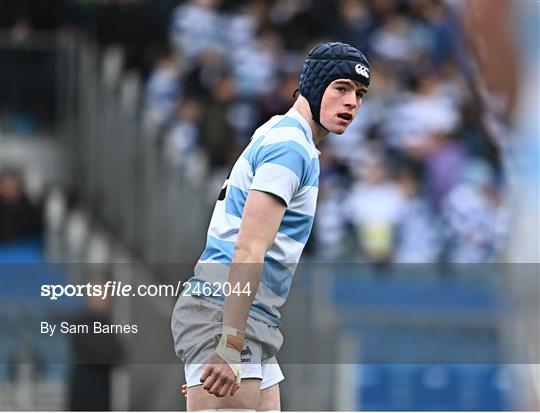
225 324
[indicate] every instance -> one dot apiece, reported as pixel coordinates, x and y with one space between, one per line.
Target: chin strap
230 347
316 118
319 123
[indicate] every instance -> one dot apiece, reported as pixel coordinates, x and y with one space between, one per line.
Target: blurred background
120 120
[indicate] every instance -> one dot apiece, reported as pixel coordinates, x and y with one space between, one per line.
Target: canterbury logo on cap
362 70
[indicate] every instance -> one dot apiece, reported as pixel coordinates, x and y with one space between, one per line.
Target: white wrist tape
229 348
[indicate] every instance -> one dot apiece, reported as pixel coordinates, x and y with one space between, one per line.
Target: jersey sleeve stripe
280 135
218 250
276 276
241 174
306 201
296 226
277 180
285 250
288 154
312 177
235 201
251 150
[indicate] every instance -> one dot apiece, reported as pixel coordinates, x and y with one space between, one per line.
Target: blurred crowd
415 178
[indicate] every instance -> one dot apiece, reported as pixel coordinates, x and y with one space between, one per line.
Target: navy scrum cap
327 62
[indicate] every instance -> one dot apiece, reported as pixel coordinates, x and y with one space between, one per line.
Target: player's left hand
218 378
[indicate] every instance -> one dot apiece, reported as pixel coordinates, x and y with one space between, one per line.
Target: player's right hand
218 378
184 390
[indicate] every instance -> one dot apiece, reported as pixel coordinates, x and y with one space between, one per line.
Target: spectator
443 166
292 20
353 23
417 238
393 42
217 134
433 31
182 141
162 94
417 114
255 65
279 99
374 208
203 74
330 226
244 25
19 218
196 28
472 216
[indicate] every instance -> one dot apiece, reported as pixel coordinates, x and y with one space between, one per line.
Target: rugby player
225 324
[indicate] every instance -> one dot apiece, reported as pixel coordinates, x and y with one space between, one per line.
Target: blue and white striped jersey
281 159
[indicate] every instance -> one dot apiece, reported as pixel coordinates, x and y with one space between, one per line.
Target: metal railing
121 174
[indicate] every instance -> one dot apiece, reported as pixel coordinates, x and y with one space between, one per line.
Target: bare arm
261 218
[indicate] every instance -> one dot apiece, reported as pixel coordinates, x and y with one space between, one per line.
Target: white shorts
195 324
269 373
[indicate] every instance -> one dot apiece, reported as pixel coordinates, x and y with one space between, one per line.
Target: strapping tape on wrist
230 347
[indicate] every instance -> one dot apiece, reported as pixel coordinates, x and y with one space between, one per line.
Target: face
340 103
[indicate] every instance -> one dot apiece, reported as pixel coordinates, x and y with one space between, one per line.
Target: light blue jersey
281 159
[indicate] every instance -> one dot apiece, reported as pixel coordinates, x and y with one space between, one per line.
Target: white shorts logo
362 70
